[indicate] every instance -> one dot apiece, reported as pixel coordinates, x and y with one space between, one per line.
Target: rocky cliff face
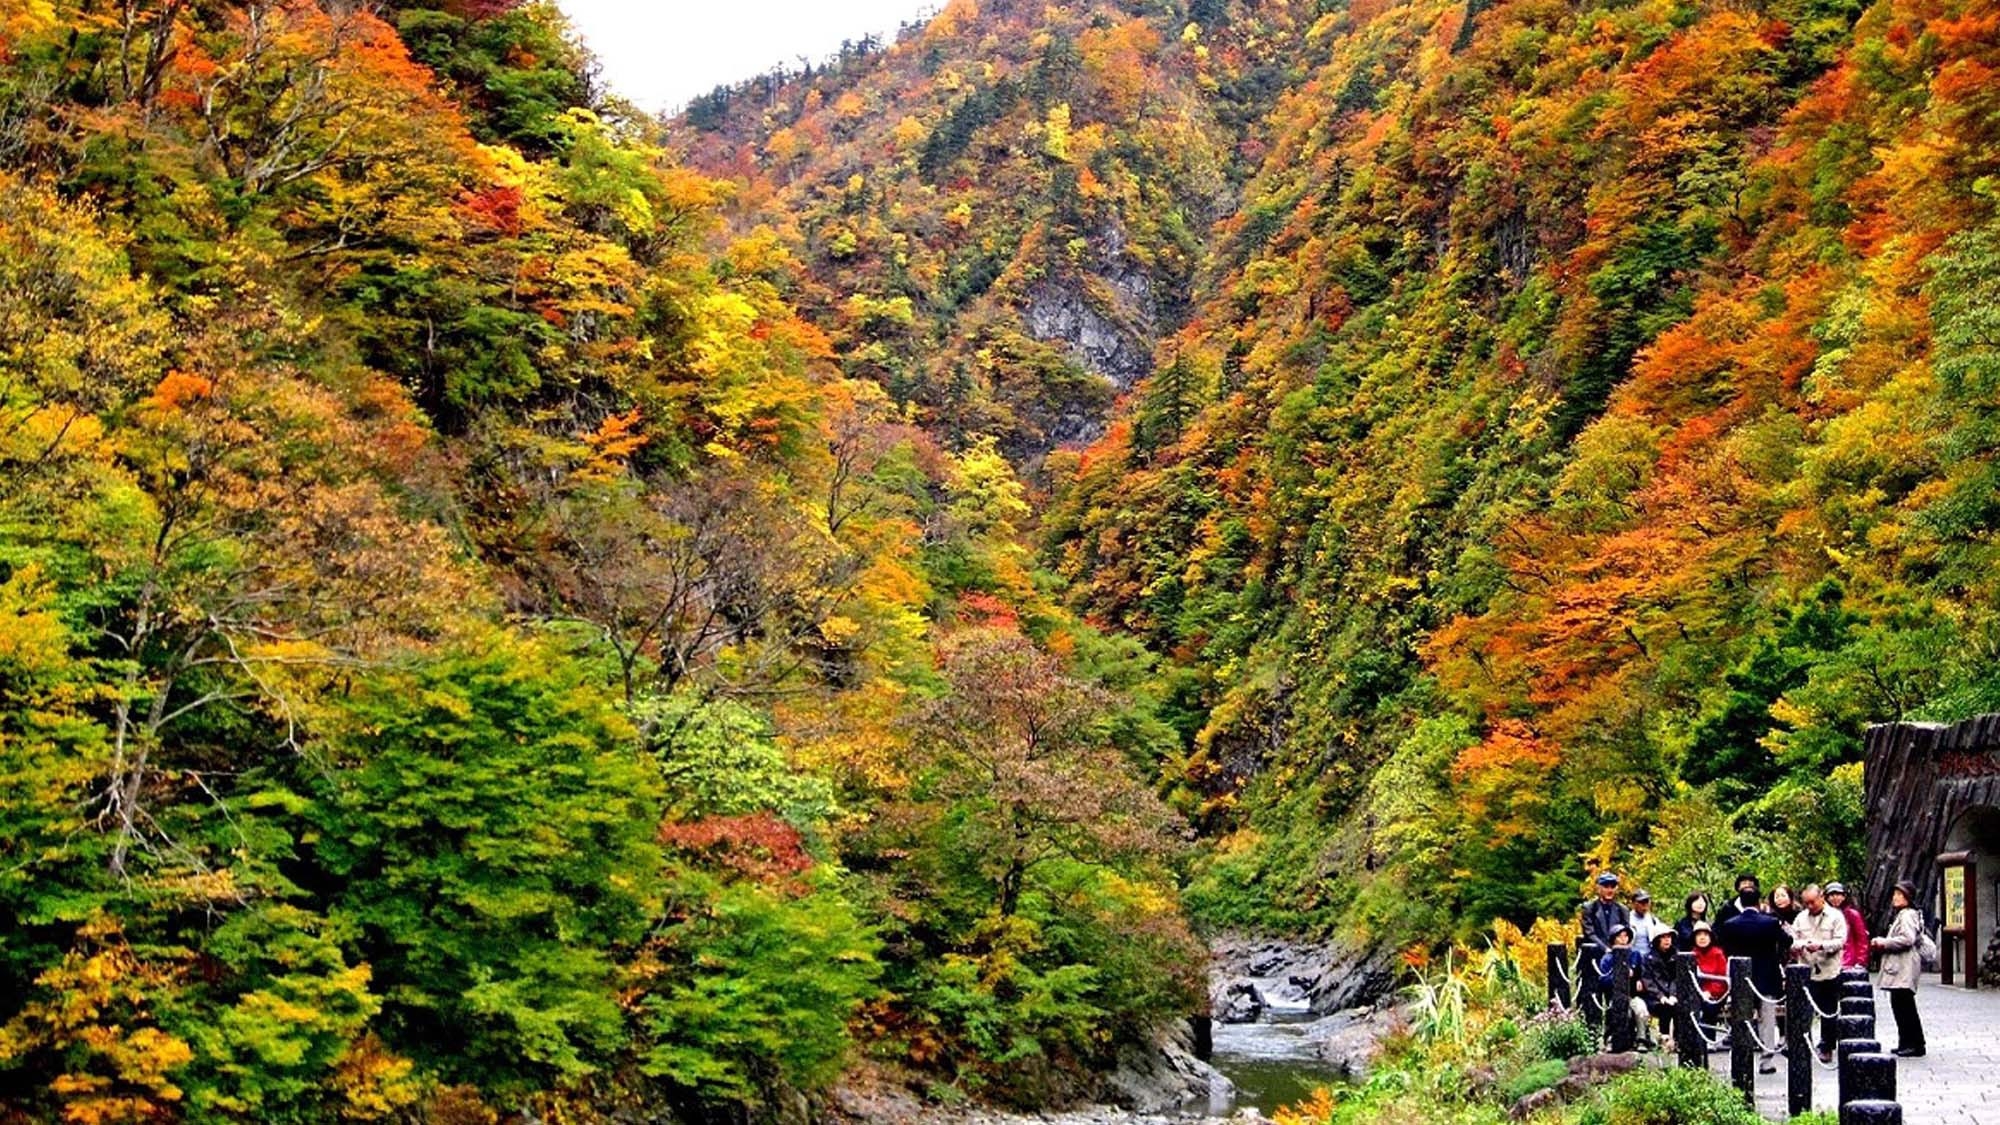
1106 314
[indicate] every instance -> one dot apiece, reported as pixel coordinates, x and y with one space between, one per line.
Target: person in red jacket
1711 968
1855 955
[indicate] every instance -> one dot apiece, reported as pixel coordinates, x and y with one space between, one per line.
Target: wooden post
1619 1025
1742 1015
1590 995
1560 995
1688 1041
1971 941
1798 1047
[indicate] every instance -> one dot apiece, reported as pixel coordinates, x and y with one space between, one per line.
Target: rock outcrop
1165 1076
1103 311
1322 978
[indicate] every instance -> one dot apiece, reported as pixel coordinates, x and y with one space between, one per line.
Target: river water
1272 1062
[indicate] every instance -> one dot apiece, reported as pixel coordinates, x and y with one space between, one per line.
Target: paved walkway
1956 1083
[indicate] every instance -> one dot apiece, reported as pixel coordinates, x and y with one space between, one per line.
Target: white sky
660 53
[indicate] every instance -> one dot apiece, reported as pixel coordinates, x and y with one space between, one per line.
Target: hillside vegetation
468 648
511 609
1574 428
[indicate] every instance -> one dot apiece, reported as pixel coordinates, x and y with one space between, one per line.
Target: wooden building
1933 817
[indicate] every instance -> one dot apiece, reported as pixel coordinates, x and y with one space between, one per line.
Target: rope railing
1744 1001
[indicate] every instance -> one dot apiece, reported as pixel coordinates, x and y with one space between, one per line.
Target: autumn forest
513 608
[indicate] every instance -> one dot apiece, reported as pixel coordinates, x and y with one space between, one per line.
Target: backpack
1927 948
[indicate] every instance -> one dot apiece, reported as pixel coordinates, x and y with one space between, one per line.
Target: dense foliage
1566 424
507 605
465 645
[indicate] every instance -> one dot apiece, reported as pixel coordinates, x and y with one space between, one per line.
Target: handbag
1927 948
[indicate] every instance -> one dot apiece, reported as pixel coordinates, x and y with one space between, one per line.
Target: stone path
1956 1083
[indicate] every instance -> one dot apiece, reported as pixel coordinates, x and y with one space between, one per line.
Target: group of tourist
1818 927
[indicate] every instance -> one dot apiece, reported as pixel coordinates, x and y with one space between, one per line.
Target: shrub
1538 1076
1668 1097
1561 1037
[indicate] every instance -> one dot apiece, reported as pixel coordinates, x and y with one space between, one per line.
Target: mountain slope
465 648
1598 413
1002 212
1552 449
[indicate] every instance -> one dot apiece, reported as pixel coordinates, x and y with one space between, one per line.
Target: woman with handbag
1902 963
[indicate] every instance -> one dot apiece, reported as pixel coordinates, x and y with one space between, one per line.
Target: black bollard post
1852 987
1742 1016
1798 1046
1619 1024
1852 1027
1589 993
1871 1077
1849 1047
1856 1007
1687 1035
1560 996
1871 1113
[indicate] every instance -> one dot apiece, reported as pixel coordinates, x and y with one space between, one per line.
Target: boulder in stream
1239 1001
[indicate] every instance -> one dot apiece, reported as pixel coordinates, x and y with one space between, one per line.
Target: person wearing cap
1856 954
1901 966
1603 915
1749 892
1645 924
1819 934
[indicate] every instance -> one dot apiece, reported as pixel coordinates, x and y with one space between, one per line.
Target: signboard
1954 898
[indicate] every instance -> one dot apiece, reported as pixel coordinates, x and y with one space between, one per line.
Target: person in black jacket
1693 911
1603 917
1659 983
1757 934
1748 892
1604 914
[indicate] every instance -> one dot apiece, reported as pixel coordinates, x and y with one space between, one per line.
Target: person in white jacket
1646 925
1901 967
1819 937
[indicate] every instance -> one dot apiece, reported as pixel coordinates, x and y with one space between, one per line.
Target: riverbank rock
1317 978
1348 1040
866 1097
1165 1076
1240 1002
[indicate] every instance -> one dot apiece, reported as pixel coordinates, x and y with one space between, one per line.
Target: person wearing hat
1603 915
1659 982
1901 966
1645 924
1855 956
1711 972
1621 946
